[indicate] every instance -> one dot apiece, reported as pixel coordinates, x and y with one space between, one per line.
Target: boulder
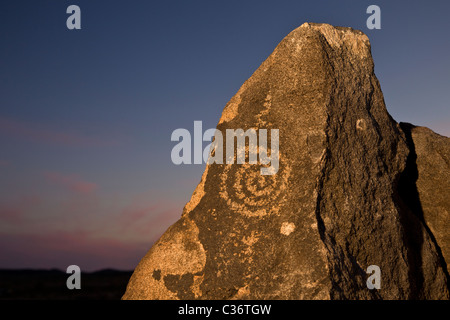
337 204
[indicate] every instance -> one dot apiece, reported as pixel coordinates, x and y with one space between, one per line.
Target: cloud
61 249
4 163
148 214
71 182
152 220
37 133
13 211
94 231
135 214
11 215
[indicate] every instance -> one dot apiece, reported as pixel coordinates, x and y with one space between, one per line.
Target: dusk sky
86 115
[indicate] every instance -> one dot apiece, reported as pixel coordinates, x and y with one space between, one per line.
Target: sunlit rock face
339 202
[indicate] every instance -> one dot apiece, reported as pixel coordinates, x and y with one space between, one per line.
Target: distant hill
28 284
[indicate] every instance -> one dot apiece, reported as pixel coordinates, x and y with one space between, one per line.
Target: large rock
311 230
427 182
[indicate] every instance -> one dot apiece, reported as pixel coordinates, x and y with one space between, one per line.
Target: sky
86 115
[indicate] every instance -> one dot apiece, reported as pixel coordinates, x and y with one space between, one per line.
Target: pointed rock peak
325 207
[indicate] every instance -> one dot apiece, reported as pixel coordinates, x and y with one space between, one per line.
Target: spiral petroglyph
308 183
252 194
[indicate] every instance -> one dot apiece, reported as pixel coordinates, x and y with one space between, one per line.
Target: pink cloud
11 215
135 214
160 222
145 218
92 231
37 133
71 182
4 163
57 249
13 212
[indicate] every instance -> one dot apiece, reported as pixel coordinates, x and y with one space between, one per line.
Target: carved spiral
250 193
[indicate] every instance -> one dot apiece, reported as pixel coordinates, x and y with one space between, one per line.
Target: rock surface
429 169
339 203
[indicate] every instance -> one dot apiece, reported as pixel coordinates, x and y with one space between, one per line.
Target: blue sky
86 115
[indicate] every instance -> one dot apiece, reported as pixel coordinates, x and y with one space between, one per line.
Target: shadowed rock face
428 177
340 201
